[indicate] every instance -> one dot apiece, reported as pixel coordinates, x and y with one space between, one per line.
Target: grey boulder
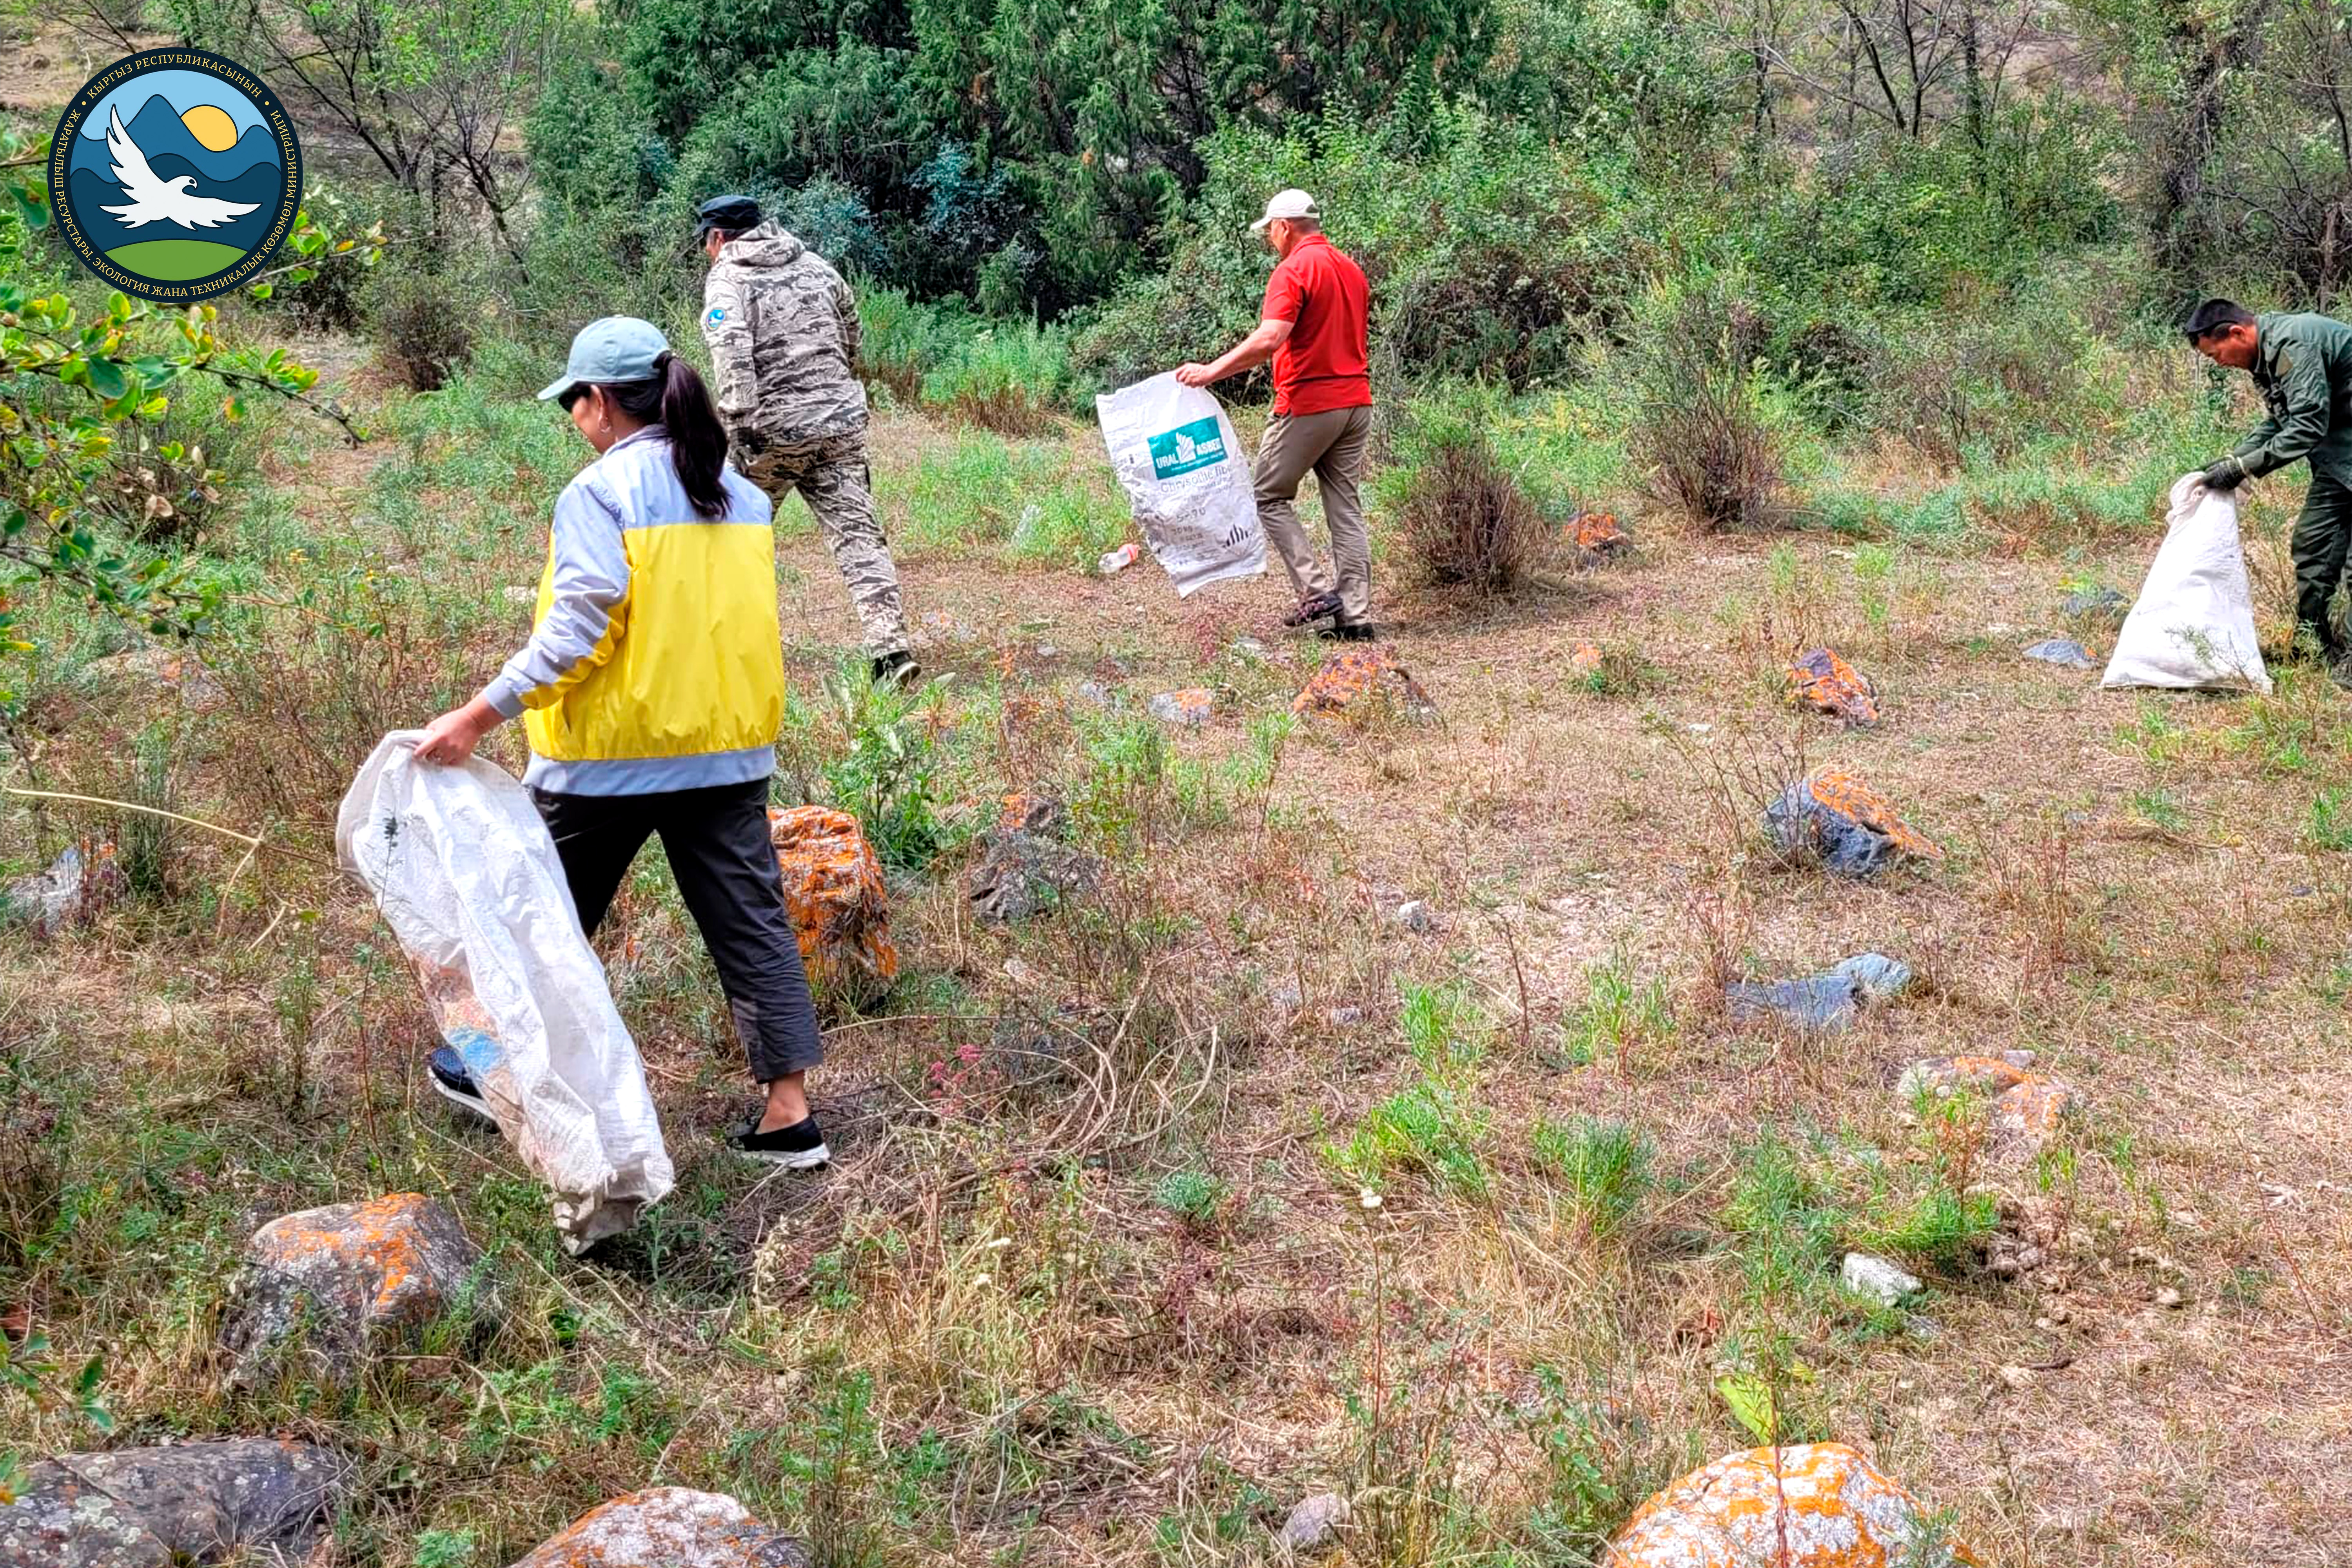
322 1290
252 1499
1825 1002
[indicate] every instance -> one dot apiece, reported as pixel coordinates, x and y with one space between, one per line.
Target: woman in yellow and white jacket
652 689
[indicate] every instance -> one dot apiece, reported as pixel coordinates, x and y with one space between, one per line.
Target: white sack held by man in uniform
465 874
2193 625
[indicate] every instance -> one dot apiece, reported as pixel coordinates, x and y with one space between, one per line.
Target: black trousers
717 841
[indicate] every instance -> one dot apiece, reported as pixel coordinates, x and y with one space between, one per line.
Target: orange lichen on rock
1360 680
1584 660
1827 684
1852 828
1599 532
1819 1505
2027 1118
833 887
345 1280
667 1527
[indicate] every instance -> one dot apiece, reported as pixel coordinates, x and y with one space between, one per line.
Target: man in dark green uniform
2302 363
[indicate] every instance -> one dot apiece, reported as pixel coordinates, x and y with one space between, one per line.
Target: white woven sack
2193 625
465 873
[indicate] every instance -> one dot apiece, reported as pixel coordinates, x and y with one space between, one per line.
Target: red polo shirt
1322 365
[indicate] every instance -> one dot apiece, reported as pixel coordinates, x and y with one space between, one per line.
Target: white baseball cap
1287 203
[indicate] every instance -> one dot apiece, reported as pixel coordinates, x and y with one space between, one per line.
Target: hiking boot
456 1084
898 670
800 1147
1348 631
1314 608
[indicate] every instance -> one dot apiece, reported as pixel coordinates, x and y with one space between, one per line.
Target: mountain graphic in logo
174 174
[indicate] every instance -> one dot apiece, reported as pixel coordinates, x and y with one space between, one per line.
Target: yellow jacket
655 662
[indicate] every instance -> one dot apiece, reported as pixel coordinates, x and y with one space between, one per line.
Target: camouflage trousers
832 476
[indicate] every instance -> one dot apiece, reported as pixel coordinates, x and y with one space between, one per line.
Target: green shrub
1008 377
1605 1165
1705 433
421 326
1461 516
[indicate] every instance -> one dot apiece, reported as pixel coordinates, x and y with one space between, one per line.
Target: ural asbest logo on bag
1187 447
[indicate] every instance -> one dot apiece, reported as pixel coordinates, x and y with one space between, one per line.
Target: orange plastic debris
840 906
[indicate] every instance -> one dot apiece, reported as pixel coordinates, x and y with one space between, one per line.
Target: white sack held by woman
465 875
2193 625
1176 457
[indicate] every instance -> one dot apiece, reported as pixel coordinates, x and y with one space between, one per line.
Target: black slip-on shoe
1314 608
456 1084
800 1147
898 670
1348 631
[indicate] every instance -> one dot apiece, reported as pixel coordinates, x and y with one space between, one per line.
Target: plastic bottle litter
1119 560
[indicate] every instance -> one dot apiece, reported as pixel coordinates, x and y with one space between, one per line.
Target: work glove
2226 475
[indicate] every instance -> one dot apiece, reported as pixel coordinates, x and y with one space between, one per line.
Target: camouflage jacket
783 331
2303 366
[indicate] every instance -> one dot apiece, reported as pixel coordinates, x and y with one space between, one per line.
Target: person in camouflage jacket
783 331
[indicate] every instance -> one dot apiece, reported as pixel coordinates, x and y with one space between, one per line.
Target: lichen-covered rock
1026 868
839 903
1818 1505
1585 660
1827 684
248 1498
1362 679
668 1527
337 1284
1835 817
2062 650
2028 1109
2097 604
1599 533
1190 708
2027 1118
1314 1524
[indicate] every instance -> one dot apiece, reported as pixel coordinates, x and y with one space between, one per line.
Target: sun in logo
174 174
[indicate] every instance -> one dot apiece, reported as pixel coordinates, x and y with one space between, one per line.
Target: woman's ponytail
676 399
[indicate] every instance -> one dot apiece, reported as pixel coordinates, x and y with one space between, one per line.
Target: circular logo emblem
174 174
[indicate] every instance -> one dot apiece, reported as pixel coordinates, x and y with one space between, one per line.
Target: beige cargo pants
1332 446
832 476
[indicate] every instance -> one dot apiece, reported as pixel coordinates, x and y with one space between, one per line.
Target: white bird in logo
154 200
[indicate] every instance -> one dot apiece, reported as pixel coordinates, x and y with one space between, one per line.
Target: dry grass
1091 1282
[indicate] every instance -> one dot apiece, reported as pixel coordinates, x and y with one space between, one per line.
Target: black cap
2213 316
732 214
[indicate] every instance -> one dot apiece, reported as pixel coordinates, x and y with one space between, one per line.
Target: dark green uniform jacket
2303 366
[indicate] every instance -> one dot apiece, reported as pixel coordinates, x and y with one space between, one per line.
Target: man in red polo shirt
1313 326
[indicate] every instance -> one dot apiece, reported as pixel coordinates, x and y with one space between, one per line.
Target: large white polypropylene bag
465 875
2193 624
1177 459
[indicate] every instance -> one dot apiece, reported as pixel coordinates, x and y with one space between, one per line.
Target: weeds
1461 516
1705 433
1619 1019
1604 1166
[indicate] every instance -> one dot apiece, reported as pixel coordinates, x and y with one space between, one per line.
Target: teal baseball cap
615 349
